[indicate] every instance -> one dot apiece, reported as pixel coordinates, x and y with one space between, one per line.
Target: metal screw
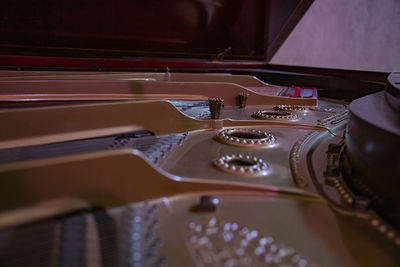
208 203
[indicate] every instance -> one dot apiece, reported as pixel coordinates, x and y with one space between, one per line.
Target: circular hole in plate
247 134
242 162
245 137
290 108
274 115
241 165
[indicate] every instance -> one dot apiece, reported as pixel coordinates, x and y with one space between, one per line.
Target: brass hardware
242 164
274 115
245 137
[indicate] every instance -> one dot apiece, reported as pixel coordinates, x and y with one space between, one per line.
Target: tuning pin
242 97
216 105
167 76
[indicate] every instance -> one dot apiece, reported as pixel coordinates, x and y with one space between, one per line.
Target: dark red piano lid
193 29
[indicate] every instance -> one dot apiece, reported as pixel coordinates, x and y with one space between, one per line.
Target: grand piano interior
155 133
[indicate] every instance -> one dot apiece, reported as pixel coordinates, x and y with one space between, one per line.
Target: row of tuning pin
216 105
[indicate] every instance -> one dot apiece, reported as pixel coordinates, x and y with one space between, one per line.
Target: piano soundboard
157 169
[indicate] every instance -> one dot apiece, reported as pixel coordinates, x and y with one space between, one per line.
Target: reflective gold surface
293 200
